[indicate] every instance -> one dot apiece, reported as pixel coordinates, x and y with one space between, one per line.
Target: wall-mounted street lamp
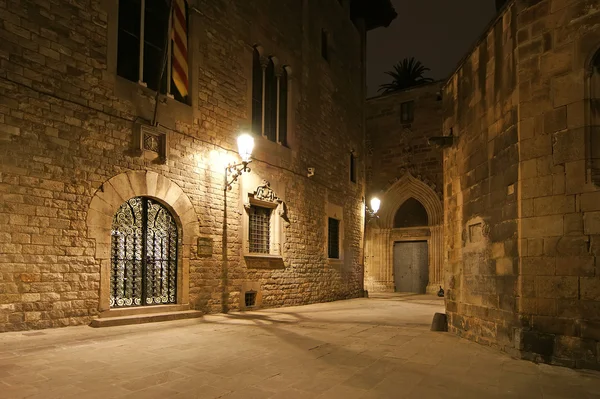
245 146
375 204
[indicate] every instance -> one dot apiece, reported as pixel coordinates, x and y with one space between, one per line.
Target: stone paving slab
379 347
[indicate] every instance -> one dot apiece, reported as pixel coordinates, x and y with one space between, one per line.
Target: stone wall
396 147
67 124
520 223
402 165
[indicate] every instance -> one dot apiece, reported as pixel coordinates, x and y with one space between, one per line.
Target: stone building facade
404 244
521 197
89 185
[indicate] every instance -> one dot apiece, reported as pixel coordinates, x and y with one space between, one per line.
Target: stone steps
145 318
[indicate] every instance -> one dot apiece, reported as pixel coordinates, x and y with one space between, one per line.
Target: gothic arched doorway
144 242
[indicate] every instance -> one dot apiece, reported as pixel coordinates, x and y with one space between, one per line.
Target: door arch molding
109 198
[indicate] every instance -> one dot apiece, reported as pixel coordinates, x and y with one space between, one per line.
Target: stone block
575 177
568 145
504 267
558 287
535 247
555 120
589 201
567 89
536 187
535 147
553 205
590 288
543 226
575 266
591 222
572 245
538 266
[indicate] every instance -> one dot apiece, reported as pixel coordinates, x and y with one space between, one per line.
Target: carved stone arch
120 188
404 188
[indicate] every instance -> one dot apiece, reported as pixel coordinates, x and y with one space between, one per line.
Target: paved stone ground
364 348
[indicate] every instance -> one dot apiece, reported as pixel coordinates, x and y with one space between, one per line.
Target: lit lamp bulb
245 144
375 204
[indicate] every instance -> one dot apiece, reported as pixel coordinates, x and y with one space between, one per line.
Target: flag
180 55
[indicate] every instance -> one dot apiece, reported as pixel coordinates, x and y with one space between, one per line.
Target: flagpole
164 61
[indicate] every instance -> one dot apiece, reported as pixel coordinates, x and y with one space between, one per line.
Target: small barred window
259 229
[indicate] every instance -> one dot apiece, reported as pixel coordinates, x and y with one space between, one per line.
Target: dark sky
436 32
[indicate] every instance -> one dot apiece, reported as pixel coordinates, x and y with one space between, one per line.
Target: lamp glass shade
245 144
375 204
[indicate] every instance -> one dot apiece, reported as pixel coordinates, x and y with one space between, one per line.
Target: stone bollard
440 322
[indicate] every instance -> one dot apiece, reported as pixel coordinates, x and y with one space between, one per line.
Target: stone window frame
353 167
143 97
411 112
251 196
334 211
105 203
281 71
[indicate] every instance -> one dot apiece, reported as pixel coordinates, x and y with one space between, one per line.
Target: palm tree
407 73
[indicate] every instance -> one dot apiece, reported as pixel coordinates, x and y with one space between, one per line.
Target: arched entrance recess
381 235
107 202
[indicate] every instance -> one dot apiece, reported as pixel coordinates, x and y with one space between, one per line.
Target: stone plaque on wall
205 247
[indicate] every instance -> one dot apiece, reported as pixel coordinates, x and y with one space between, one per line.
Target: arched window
594 118
283 107
270 101
411 214
257 93
270 91
144 255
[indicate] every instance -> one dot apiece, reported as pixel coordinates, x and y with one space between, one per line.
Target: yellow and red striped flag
180 56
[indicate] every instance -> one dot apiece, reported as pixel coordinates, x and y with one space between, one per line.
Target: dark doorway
411 266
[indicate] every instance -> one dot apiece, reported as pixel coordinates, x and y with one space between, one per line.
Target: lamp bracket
235 170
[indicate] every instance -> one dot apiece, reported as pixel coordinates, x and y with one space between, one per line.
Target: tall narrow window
324 45
271 102
259 224
147 52
333 238
283 107
407 111
352 167
257 93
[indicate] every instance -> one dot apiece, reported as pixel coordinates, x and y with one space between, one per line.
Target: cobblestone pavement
364 348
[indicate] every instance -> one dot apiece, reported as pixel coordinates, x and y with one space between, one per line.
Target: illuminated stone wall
520 206
67 127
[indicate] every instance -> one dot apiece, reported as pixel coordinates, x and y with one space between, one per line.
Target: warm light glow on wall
219 159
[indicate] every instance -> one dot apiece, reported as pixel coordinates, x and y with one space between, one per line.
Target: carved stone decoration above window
265 193
150 142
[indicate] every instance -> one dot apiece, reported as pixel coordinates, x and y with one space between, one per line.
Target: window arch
593 117
411 214
144 242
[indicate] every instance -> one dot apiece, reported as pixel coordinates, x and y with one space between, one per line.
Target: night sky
436 32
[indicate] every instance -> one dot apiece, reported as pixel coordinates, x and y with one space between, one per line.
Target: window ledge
267 256
335 261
